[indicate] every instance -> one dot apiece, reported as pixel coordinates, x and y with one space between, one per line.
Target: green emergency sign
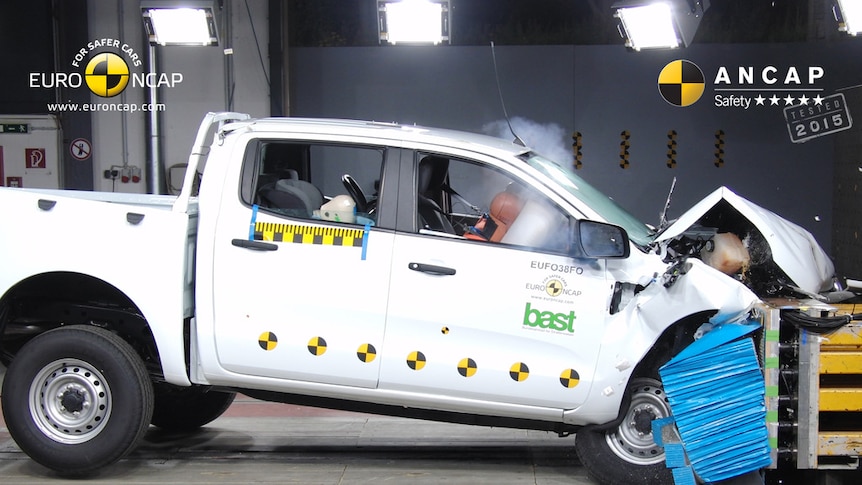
14 128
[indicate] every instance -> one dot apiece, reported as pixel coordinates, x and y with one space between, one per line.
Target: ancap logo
107 74
681 83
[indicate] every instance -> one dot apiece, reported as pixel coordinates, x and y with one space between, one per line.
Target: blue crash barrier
716 393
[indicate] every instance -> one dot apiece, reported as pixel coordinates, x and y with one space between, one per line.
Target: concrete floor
258 442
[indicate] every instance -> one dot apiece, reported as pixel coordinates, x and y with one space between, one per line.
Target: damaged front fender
636 327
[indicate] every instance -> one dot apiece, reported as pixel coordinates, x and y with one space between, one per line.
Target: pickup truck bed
147 239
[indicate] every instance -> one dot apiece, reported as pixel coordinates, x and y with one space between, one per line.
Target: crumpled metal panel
792 248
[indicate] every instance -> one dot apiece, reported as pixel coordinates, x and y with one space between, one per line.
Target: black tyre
77 399
188 408
627 454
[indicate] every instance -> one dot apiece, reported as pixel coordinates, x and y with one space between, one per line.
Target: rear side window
337 183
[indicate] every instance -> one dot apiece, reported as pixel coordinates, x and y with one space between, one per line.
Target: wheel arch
49 300
671 341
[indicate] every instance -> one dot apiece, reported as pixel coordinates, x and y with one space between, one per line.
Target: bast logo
549 321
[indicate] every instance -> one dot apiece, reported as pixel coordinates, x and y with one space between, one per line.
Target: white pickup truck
366 266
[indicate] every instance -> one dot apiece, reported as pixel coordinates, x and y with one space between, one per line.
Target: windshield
606 207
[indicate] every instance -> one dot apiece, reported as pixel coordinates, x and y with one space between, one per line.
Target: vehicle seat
310 193
431 177
295 196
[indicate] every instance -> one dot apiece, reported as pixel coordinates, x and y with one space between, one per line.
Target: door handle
254 245
432 269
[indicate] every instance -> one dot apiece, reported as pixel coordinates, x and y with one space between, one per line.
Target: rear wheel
188 408
627 454
77 399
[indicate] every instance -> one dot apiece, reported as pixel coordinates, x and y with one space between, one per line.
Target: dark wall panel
27 39
601 91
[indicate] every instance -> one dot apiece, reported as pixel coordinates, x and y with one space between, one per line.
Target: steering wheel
355 192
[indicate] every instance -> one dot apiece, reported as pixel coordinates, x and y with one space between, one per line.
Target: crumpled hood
794 250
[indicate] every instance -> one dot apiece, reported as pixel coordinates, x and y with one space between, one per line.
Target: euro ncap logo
107 74
681 83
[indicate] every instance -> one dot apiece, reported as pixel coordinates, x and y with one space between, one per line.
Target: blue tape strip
252 223
365 240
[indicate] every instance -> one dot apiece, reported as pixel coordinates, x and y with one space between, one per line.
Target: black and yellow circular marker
519 372
267 341
554 287
107 74
681 83
317 346
467 367
416 360
366 353
570 378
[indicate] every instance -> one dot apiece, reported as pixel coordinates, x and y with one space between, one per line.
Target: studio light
848 13
179 23
413 21
650 24
170 22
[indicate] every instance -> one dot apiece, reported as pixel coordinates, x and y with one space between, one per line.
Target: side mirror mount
599 240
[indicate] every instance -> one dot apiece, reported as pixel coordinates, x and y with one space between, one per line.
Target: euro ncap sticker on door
553 288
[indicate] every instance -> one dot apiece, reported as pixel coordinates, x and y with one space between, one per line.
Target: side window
314 181
473 201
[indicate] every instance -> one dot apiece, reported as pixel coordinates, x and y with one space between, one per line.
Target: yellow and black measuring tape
301 234
293 233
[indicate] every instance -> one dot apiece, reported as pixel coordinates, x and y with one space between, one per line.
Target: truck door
299 278
491 309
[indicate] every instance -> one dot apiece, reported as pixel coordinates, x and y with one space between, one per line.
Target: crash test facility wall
602 110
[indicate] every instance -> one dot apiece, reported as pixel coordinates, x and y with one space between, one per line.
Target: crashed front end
769 254
717 262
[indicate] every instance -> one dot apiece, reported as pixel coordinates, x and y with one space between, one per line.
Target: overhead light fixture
413 21
650 24
848 13
179 22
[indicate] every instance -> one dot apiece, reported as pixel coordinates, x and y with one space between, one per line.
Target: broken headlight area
745 257
770 255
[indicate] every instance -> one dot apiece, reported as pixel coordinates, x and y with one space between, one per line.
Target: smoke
549 139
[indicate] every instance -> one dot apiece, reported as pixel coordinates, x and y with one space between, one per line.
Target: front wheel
627 454
76 399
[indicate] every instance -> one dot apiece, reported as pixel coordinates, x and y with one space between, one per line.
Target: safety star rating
744 102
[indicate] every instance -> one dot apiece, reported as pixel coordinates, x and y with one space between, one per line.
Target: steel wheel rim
70 401
635 445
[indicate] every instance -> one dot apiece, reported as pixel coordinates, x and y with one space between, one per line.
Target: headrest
432 172
309 194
